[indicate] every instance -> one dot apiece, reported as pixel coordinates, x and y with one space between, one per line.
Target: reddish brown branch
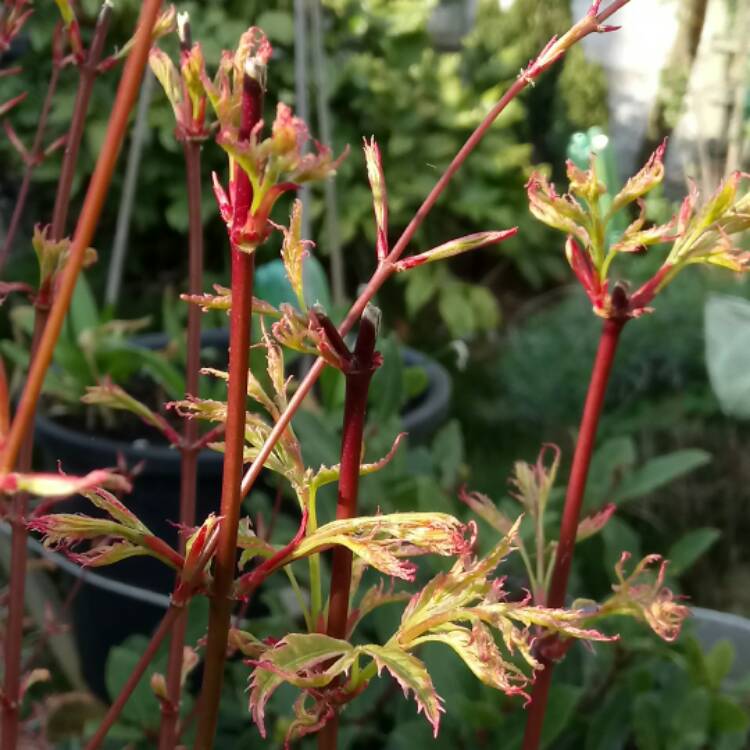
605 355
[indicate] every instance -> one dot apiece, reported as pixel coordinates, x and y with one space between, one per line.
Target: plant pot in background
101 618
711 626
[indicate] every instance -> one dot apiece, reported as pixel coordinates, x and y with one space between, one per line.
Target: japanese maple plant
509 642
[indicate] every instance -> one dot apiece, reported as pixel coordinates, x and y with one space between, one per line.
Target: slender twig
189 455
608 342
87 73
243 267
33 160
355 405
131 683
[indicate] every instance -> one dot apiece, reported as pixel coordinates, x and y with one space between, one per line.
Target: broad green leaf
658 472
718 662
690 548
142 708
448 452
83 314
610 724
729 717
690 723
411 675
563 700
727 332
387 391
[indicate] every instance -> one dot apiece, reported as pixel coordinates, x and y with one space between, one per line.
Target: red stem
127 689
33 161
225 562
605 355
87 73
386 267
355 407
189 454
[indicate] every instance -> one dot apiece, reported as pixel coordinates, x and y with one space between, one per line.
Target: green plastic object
272 284
596 142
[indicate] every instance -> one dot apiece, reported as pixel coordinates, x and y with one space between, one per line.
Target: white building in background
633 58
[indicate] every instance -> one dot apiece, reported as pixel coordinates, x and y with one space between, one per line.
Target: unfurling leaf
376 596
644 599
293 252
376 179
111 396
222 300
327 474
650 175
584 183
456 247
486 509
534 483
305 661
561 212
594 523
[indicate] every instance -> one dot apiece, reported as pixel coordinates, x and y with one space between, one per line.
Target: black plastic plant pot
103 618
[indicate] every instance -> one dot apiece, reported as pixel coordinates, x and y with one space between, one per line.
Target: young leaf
306 661
411 675
382 541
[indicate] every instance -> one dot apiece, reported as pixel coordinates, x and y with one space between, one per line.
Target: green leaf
728 717
386 392
279 26
142 709
563 700
690 722
457 314
83 314
660 471
448 453
610 725
718 662
296 659
411 674
728 352
686 551
421 285
647 715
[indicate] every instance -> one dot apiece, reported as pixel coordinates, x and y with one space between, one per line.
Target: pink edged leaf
561 212
533 483
584 183
650 175
478 650
328 474
486 509
411 675
583 267
594 523
456 247
293 252
111 396
642 595
383 541
376 179
308 719
310 660
61 485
